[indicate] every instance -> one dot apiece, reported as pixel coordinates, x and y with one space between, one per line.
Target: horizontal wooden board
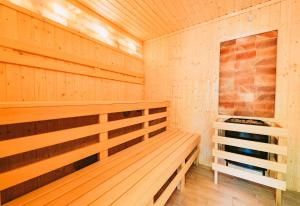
32 61
38 111
159 174
99 167
132 135
34 142
267 164
72 30
103 181
273 131
265 147
59 55
36 169
268 181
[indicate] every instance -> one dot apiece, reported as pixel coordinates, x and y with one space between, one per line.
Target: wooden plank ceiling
148 19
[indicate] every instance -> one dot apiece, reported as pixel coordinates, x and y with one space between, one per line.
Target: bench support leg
216 177
196 161
278 197
181 184
0 199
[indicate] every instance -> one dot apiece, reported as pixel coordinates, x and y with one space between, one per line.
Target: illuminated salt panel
67 14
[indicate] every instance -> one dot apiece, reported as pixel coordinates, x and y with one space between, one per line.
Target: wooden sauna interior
132 102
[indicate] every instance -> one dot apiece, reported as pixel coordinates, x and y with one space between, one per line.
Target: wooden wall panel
23 82
20 83
184 67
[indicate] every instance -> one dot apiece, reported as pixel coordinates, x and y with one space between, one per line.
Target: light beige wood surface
277 164
117 179
183 67
74 17
171 149
200 190
29 143
52 63
148 19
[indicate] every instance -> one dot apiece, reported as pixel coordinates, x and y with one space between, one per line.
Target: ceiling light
54 17
101 31
60 10
132 46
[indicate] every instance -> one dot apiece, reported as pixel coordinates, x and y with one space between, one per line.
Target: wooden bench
140 159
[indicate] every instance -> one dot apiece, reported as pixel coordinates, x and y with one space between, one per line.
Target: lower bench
144 174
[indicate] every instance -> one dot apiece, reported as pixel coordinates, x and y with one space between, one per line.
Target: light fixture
58 9
68 14
132 46
101 31
54 17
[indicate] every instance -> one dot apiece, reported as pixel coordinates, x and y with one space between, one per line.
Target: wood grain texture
74 17
50 45
148 19
231 191
184 67
69 142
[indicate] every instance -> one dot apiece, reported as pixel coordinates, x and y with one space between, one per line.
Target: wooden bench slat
123 181
103 183
172 186
79 188
34 142
154 179
100 166
132 135
21 113
134 120
79 180
16 176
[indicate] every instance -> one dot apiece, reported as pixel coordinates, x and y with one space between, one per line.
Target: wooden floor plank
200 190
117 158
89 189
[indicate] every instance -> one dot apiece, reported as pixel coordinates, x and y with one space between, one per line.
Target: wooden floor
200 190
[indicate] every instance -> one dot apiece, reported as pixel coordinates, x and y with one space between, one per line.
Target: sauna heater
250 137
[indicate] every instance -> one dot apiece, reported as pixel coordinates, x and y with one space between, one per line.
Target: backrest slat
29 113
27 172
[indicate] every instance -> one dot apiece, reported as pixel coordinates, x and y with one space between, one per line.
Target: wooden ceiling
148 19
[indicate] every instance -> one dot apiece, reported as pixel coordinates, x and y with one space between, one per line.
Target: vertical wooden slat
146 123
168 118
181 184
103 118
216 159
279 175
